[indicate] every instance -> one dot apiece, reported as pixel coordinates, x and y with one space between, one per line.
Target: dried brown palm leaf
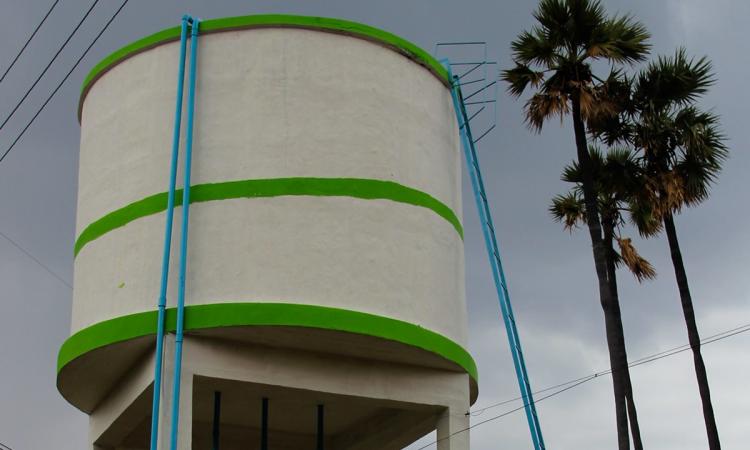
639 266
545 105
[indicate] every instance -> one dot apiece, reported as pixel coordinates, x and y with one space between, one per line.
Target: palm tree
555 57
682 150
618 178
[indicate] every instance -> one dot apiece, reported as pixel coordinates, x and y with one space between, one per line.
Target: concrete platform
368 404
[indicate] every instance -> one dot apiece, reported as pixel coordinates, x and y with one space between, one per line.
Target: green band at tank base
217 315
271 20
273 187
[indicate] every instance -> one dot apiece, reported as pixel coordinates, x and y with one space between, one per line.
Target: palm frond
699 134
520 77
586 17
612 106
568 209
621 39
673 80
644 218
595 104
554 18
542 106
697 175
622 173
572 173
639 266
533 47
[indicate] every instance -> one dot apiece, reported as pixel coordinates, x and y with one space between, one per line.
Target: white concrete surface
277 103
426 398
270 103
375 256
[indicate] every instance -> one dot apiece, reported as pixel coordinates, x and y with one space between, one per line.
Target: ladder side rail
494 257
504 296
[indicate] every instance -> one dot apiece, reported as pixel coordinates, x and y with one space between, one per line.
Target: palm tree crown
618 177
681 146
556 57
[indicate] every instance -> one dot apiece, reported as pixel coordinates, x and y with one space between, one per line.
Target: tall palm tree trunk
693 336
635 429
611 319
633 415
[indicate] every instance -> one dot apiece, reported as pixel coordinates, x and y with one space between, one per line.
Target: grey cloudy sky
550 272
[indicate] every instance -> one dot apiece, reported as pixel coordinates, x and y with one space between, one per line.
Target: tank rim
325 24
132 327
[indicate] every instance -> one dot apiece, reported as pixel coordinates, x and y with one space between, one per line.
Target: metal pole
162 302
320 428
183 242
217 419
264 425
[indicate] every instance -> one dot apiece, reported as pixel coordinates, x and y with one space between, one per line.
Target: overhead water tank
325 255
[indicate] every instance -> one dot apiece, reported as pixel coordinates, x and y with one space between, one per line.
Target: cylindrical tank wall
326 172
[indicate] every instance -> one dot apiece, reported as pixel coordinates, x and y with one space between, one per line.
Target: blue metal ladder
488 229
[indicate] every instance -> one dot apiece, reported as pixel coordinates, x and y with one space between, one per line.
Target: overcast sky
550 272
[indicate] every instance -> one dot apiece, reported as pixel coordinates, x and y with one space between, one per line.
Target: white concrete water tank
325 219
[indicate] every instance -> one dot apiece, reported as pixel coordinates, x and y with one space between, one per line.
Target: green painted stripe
271 20
219 315
338 187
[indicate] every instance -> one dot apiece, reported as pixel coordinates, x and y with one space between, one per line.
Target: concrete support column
185 430
123 409
450 426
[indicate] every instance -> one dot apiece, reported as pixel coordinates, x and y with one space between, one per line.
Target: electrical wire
18 55
634 363
23 131
59 50
580 381
36 260
506 413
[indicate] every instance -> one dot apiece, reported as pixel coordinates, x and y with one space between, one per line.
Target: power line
580 381
18 55
111 19
70 36
507 413
36 260
634 363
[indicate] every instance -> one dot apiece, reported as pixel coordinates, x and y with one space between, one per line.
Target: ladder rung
484 134
472 81
475 114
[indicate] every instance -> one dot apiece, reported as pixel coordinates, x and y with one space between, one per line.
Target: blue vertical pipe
162 302
184 237
498 274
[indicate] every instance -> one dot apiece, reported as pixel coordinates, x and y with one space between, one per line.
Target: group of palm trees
644 150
